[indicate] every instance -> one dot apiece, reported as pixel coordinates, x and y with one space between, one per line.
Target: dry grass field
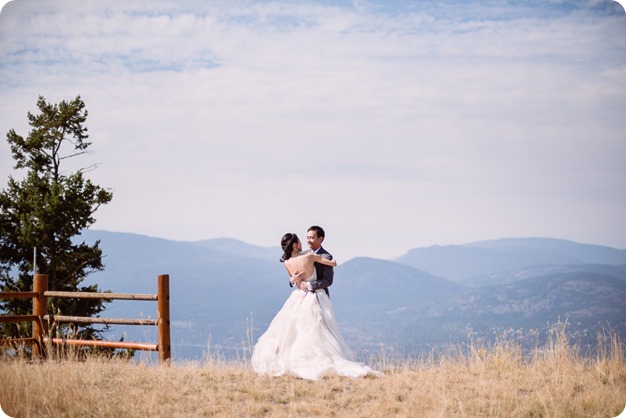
483 382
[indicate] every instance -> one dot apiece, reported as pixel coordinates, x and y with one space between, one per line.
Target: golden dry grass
487 382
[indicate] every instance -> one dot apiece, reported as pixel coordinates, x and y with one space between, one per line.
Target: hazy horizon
277 246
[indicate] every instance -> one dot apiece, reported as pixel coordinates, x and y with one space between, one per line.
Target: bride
303 339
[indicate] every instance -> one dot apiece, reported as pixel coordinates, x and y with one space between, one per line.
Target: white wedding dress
303 339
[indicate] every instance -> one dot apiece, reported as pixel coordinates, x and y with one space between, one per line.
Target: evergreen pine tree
47 210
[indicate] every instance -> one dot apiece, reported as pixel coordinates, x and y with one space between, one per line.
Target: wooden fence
41 319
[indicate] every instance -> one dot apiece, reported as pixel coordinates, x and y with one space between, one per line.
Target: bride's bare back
302 265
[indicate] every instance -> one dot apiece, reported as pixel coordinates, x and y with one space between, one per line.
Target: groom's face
313 241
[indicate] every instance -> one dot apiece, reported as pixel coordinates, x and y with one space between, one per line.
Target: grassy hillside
497 381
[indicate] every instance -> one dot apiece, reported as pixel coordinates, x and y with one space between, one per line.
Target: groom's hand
297 278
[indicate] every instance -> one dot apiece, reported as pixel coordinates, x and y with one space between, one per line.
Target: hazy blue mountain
589 303
233 246
486 261
372 298
213 292
365 283
418 311
550 247
225 292
509 276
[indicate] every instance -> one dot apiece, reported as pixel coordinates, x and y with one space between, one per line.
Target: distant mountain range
224 292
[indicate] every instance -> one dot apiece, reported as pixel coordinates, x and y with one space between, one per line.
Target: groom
314 238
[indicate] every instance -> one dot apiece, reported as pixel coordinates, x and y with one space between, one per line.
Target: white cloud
393 128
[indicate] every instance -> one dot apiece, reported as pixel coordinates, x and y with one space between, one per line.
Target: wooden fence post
40 309
164 317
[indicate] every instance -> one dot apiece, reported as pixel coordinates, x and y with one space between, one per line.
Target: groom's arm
296 278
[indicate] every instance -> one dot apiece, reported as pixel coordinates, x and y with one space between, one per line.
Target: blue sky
392 124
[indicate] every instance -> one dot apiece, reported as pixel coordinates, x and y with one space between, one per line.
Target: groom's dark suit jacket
325 274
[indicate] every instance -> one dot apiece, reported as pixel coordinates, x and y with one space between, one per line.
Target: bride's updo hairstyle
287 242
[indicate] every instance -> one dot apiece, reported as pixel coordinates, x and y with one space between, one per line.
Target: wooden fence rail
41 319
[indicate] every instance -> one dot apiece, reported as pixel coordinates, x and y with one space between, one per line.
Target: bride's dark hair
287 242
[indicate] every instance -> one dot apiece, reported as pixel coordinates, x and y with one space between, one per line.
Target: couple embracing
303 339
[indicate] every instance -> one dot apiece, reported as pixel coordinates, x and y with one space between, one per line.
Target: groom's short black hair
318 230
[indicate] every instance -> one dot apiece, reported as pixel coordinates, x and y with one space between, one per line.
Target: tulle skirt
303 339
